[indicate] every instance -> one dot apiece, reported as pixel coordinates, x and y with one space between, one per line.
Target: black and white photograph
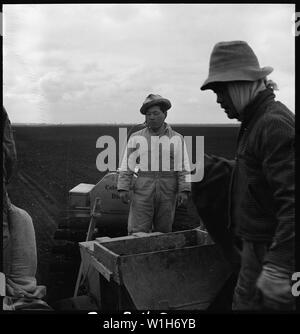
149 160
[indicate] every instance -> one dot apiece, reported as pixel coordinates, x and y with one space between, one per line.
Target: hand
275 286
182 198
124 195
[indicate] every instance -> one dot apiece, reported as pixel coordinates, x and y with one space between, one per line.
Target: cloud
97 63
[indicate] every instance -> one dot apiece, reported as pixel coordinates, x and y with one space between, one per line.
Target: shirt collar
167 130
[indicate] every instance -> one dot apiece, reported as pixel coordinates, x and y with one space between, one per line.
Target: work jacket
261 195
262 189
150 164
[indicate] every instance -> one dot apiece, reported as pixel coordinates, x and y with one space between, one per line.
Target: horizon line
96 124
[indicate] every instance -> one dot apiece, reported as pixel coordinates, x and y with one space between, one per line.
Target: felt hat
234 61
155 99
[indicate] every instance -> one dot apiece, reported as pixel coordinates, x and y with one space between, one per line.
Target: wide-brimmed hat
155 99
234 61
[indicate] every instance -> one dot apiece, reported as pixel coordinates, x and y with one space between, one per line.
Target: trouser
246 295
20 257
153 203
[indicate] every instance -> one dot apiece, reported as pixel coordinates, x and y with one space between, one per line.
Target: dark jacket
262 194
261 190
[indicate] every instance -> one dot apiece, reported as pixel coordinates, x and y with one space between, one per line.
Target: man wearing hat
261 190
155 191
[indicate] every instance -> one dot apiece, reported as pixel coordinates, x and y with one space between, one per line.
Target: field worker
156 191
19 244
261 191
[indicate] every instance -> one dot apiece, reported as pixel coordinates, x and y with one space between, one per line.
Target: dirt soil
54 159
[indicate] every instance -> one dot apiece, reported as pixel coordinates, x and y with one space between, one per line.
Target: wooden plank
103 239
144 234
86 250
108 239
127 237
87 245
152 243
107 258
101 268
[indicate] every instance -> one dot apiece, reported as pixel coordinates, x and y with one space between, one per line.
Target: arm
210 197
214 188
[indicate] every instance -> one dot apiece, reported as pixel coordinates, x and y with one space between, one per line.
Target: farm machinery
105 269
97 211
112 271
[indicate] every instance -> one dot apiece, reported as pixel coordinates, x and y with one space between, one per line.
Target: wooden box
181 270
79 196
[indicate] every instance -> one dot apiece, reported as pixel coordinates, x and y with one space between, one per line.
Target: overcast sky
96 63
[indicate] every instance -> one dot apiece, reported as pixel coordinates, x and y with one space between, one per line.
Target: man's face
224 99
155 117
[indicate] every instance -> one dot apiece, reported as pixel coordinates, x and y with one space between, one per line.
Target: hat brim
236 75
165 102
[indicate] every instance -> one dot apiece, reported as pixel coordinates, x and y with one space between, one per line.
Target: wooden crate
181 270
